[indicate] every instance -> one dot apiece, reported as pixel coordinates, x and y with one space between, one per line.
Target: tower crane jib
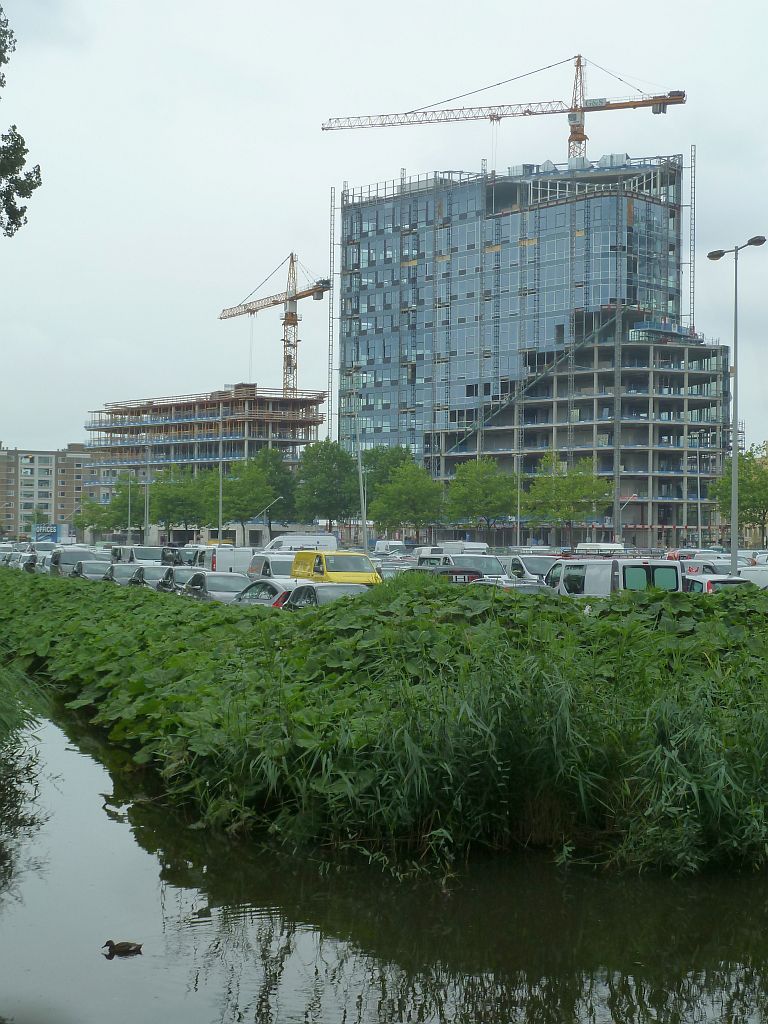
290 318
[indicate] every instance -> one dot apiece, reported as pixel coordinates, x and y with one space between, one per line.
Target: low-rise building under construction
198 432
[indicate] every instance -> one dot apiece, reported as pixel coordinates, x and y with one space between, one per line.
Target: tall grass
425 719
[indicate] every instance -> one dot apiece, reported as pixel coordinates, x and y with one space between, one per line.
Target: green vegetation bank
425 719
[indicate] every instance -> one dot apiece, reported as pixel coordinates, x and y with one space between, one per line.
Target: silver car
215 586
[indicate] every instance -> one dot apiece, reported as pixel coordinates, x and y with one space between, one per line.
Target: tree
410 498
39 516
753 488
327 484
380 463
114 516
15 182
246 493
91 514
561 495
282 481
178 498
482 493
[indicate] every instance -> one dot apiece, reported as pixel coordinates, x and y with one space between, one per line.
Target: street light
632 497
266 507
360 476
717 254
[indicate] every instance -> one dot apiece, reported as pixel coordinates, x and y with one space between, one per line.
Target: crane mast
290 318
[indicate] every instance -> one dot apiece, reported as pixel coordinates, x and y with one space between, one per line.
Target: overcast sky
182 160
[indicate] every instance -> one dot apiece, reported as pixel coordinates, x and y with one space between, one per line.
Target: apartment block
41 487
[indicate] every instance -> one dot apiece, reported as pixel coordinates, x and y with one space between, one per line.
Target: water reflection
513 940
245 935
19 816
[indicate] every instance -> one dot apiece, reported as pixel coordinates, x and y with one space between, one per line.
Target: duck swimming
121 948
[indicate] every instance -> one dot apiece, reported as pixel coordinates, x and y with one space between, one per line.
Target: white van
599 577
143 554
225 558
587 549
303 542
389 547
273 565
464 547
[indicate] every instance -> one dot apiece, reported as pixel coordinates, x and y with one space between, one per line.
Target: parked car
88 570
714 584
525 586
310 595
388 570
125 574
43 564
153 575
175 579
63 559
529 567
215 586
681 554
266 593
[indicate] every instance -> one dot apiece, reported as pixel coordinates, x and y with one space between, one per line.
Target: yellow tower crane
576 109
290 317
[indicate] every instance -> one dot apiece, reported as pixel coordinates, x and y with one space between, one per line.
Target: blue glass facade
454 285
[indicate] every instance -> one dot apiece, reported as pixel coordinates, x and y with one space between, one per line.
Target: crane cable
527 74
485 88
617 77
265 280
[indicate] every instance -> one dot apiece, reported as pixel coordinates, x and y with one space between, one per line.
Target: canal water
234 934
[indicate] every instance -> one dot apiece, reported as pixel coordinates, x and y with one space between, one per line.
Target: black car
125 574
174 579
88 570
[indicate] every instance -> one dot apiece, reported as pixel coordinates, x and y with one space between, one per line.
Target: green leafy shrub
425 718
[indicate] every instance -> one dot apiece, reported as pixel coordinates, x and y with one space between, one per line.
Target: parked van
449 547
389 547
143 554
587 549
599 577
465 547
225 558
273 565
334 567
757 574
303 542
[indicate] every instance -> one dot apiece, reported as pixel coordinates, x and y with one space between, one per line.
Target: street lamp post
358 395
717 254
632 497
265 509
221 470
146 501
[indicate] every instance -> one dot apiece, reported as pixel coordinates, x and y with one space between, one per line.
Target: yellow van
334 567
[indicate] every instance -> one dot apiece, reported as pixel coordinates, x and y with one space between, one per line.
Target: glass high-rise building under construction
539 310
